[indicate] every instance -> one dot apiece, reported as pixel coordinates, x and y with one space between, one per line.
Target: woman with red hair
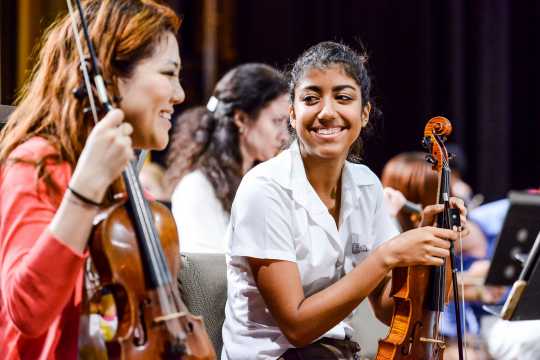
57 165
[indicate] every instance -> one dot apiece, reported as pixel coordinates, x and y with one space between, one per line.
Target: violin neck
152 256
443 197
436 293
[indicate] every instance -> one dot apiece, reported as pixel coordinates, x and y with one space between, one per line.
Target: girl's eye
279 121
344 97
309 99
170 73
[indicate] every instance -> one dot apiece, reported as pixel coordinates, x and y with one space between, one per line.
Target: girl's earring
241 130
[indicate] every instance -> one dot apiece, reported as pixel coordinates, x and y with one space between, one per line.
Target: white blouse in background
278 215
514 340
199 216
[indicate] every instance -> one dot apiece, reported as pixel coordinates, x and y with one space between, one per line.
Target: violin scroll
436 131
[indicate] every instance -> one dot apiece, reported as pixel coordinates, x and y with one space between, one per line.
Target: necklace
333 193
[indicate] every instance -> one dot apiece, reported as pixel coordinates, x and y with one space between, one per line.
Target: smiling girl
56 164
309 237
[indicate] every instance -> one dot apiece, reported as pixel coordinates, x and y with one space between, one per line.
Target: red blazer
40 277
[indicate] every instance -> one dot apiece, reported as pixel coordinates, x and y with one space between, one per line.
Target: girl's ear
292 117
240 120
365 114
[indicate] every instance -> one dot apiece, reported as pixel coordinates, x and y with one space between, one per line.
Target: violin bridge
441 343
168 317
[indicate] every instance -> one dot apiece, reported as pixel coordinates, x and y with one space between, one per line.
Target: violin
134 253
420 293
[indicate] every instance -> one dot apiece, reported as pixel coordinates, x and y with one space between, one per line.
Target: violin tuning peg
430 159
87 110
426 143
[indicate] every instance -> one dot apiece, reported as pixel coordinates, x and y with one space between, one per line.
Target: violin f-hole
407 348
140 336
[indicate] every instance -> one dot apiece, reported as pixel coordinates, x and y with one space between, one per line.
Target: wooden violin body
412 333
421 293
115 252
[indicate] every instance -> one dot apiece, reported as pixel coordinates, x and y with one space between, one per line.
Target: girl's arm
38 270
42 243
304 319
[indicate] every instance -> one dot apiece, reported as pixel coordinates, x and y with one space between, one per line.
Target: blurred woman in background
244 123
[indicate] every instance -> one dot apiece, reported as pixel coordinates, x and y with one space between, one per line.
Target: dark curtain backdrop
475 62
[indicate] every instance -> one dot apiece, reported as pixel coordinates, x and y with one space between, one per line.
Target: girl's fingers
113 119
437 252
125 129
433 260
445 234
442 244
458 203
433 209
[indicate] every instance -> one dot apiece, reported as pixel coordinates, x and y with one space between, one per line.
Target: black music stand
5 110
522 302
520 228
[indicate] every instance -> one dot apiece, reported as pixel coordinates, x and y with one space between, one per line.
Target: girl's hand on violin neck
423 246
429 214
106 154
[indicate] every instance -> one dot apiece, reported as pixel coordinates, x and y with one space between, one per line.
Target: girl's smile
327 112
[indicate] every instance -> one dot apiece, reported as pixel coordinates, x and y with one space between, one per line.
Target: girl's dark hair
328 53
209 140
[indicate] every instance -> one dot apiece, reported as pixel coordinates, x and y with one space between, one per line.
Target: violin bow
98 78
99 83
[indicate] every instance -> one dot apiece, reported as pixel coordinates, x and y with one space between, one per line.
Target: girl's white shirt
199 216
277 214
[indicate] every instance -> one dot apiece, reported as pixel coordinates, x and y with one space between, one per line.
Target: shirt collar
293 177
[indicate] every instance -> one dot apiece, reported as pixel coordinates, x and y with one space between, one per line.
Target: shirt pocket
358 249
316 254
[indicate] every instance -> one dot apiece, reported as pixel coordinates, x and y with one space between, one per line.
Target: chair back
203 286
5 111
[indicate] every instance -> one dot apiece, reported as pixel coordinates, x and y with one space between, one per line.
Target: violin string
445 182
168 303
156 255
148 233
